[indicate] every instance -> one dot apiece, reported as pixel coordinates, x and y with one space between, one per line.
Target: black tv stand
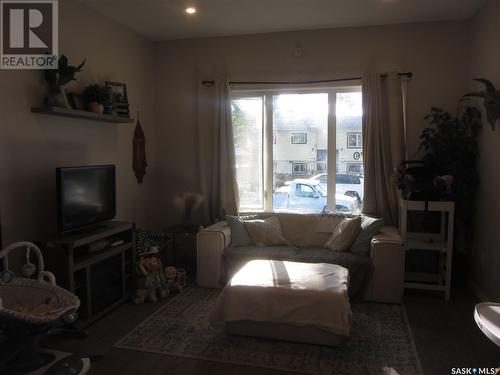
103 279
86 230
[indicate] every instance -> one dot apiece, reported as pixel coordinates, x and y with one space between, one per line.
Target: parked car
308 195
350 184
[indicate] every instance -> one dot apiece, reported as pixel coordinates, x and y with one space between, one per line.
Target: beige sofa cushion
344 235
308 230
266 232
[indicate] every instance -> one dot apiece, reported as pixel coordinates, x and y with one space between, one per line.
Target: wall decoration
120 98
139 162
491 100
57 78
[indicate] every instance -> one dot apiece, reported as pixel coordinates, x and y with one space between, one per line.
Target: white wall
32 146
485 58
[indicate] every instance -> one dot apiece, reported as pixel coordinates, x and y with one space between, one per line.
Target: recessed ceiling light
190 10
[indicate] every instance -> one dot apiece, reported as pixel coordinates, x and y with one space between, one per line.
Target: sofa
375 260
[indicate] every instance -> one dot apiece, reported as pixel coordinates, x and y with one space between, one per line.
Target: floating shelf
85 115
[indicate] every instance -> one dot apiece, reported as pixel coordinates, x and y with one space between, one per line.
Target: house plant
451 145
186 204
95 96
58 78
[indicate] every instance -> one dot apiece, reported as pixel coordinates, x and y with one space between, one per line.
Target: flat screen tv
86 196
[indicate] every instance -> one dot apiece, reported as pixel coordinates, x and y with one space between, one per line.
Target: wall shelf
85 115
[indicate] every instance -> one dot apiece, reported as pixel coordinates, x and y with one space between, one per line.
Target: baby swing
30 310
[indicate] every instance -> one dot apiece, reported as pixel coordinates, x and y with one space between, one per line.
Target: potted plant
58 78
186 204
95 96
451 144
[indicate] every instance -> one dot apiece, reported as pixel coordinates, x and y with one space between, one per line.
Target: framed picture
120 98
76 101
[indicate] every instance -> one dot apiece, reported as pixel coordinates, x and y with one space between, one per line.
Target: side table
184 244
440 243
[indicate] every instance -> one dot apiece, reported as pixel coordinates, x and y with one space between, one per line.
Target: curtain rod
212 83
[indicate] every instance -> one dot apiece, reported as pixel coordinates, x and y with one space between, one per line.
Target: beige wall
485 58
437 54
32 146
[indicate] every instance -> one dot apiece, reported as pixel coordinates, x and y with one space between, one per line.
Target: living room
201 90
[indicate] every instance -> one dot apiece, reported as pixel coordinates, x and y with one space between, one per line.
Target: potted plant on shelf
58 78
95 96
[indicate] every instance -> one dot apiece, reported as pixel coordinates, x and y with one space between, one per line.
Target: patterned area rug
380 342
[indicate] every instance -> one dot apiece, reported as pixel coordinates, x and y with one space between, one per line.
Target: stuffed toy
151 282
176 278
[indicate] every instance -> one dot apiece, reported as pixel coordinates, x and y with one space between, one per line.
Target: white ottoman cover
294 293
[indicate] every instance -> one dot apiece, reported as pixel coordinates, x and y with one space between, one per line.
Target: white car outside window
344 184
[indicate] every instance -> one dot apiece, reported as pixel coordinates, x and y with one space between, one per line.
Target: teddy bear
151 283
175 278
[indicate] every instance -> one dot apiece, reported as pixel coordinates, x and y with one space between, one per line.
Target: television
86 196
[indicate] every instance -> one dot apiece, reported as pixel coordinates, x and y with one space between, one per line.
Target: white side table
487 317
441 242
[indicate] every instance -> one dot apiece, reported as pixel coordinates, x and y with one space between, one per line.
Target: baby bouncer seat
30 310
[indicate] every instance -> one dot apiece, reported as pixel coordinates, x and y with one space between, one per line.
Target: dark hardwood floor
445 335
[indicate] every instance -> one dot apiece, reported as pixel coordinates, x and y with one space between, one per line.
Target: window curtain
216 152
383 143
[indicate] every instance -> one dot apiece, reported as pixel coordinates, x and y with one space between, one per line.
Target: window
299 168
305 191
299 138
355 168
319 119
321 155
247 132
321 167
354 140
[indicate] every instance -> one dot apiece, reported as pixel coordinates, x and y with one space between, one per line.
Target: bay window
291 143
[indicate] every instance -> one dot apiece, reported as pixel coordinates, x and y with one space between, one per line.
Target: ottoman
292 301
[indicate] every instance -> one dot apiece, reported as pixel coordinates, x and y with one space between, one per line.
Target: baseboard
478 292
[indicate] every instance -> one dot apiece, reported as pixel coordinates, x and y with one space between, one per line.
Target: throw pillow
370 226
326 223
266 232
239 233
344 235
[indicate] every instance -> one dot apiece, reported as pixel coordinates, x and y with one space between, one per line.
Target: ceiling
167 20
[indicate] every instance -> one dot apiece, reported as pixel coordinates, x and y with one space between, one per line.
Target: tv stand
86 230
102 279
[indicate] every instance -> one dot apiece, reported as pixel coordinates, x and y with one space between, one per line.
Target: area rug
380 342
